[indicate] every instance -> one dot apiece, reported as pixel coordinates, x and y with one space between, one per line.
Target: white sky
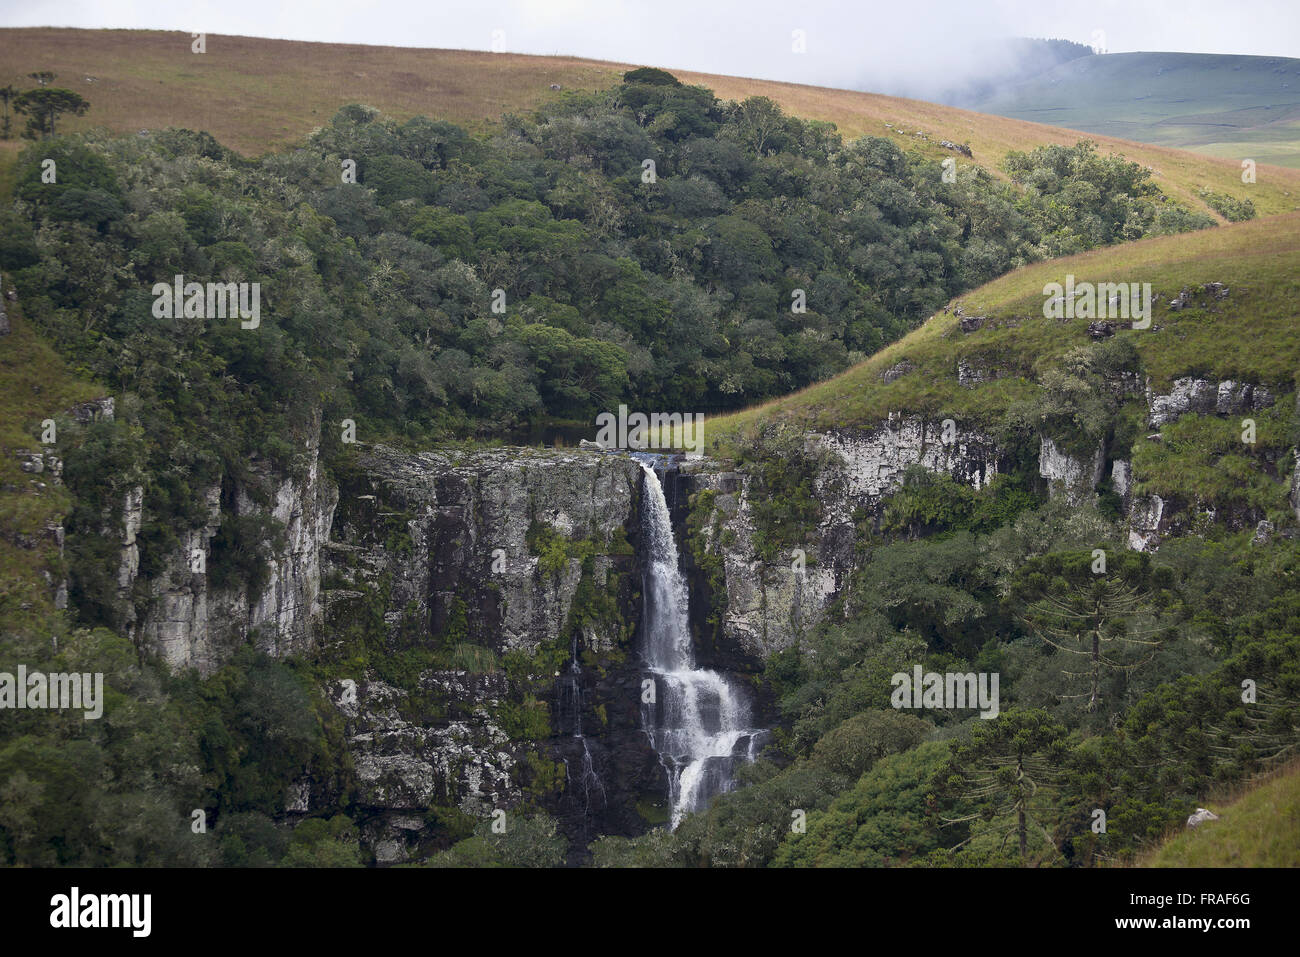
869 44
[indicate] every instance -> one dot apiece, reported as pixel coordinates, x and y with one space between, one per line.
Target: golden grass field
258 95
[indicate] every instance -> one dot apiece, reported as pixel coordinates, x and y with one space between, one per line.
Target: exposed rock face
1295 484
405 764
1207 397
468 518
1121 478
897 371
96 410
1149 516
433 554
873 462
129 564
1069 475
1146 521
769 604
288 611
970 374
191 624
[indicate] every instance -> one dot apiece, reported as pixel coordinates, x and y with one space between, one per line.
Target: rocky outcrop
770 603
407 760
897 371
1190 394
766 604
1200 816
1146 522
1295 484
190 623
460 561
872 463
1150 517
459 530
1072 476
1121 479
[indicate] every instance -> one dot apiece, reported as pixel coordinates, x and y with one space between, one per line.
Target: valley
1031 429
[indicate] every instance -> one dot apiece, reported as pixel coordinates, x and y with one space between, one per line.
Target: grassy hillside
37 385
1228 106
1249 336
1259 829
257 95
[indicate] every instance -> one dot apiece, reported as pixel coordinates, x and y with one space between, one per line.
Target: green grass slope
1234 107
1259 829
37 385
1250 336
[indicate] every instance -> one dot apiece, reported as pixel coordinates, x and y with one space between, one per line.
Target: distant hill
258 95
1235 107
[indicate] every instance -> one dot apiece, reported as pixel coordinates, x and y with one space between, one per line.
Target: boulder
1200 817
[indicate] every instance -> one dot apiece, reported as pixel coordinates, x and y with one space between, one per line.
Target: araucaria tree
43 105
1100 606
7 93
1008 769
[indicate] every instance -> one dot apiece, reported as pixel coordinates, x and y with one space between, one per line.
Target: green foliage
655 848
240 549
783 469
704 527
1203 459
858 743
257 730
554 550
1007 771
651 77
745 827
1103 608
882 821
1078 405
321 842
526 842
929 502
17 242
1087 199
44 105
1229 207
525 720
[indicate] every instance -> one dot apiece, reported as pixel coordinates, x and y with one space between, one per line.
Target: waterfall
569 707
698 722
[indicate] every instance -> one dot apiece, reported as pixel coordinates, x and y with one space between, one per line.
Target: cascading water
569 708
698 722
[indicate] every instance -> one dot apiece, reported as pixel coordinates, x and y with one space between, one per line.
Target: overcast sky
862 45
